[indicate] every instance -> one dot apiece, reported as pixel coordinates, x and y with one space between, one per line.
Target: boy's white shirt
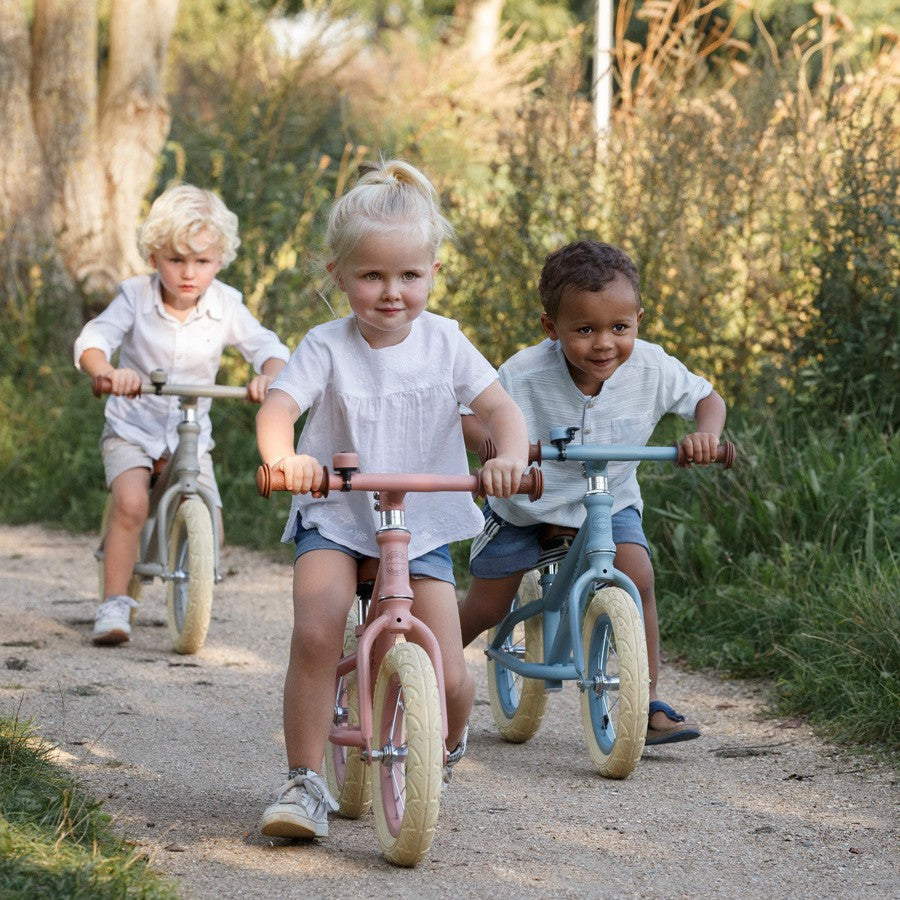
398 409
633 399
147 337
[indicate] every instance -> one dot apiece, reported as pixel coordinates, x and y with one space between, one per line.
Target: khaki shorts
120 455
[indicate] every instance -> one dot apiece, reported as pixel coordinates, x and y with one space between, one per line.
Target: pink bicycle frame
390 613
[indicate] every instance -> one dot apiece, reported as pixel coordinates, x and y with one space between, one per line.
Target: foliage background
751 170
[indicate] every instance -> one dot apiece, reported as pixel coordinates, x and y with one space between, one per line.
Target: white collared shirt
633 399
147 337
398 409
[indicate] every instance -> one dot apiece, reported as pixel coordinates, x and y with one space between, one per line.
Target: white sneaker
301 807
454 756
112 621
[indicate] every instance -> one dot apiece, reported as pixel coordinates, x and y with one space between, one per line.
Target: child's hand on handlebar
302 474
123 382
501 475
259 387
700 448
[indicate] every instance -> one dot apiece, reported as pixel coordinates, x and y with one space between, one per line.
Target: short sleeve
306 373
472 373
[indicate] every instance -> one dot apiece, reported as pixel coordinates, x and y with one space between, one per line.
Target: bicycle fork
393 616
599 553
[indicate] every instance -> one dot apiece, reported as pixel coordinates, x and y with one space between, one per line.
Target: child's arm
95 362
259 386
700 445
505 425
474 432
275 439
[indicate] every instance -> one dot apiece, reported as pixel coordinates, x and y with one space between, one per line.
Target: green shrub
850 355
784 568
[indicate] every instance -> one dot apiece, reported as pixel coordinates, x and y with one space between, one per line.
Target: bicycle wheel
518 703
134 584
347 774
615 706
191 559
408 732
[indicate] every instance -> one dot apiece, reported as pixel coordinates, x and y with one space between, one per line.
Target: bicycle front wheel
191 560
517 703
409 736
347 774
615 705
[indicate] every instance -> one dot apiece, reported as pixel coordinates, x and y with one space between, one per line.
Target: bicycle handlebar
725 453
103 385
268 480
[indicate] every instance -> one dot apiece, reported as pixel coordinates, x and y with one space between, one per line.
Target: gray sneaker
112 621
300 808
454 756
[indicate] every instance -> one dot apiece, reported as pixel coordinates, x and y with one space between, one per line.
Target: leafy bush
784 568
850 354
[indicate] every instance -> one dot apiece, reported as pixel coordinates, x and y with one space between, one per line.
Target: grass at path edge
55 840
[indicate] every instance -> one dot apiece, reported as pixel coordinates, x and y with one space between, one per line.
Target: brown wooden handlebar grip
102 384
487 450
268 480
264 480
725 454
533 484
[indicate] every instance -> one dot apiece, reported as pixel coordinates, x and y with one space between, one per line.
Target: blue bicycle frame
587 564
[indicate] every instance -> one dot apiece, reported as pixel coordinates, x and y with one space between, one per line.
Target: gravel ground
186 750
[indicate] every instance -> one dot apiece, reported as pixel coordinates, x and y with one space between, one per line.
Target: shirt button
587 430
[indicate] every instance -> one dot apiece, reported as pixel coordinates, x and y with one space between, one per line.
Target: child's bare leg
324 586
435 605
487 602
130 506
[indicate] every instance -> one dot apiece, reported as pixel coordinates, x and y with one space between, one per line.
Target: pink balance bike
389 729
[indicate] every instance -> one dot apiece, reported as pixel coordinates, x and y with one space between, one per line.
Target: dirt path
185 751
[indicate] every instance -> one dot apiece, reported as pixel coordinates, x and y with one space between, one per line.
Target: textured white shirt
633 399
137 324
398 409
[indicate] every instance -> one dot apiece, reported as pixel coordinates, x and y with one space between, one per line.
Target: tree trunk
79 159
24 195
481 22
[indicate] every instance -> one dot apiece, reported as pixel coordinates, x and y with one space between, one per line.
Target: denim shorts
515 548
435 564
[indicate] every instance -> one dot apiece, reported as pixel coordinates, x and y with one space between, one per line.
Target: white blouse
398 409
137 324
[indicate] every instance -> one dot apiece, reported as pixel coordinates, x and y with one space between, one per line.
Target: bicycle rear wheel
135 584
615 706
409 734
347 774
191 559
518 704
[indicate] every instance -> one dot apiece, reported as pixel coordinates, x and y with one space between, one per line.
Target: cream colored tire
191 557
518 704
406 790
615 706
347 774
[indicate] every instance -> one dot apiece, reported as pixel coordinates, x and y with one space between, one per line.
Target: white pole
603 66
